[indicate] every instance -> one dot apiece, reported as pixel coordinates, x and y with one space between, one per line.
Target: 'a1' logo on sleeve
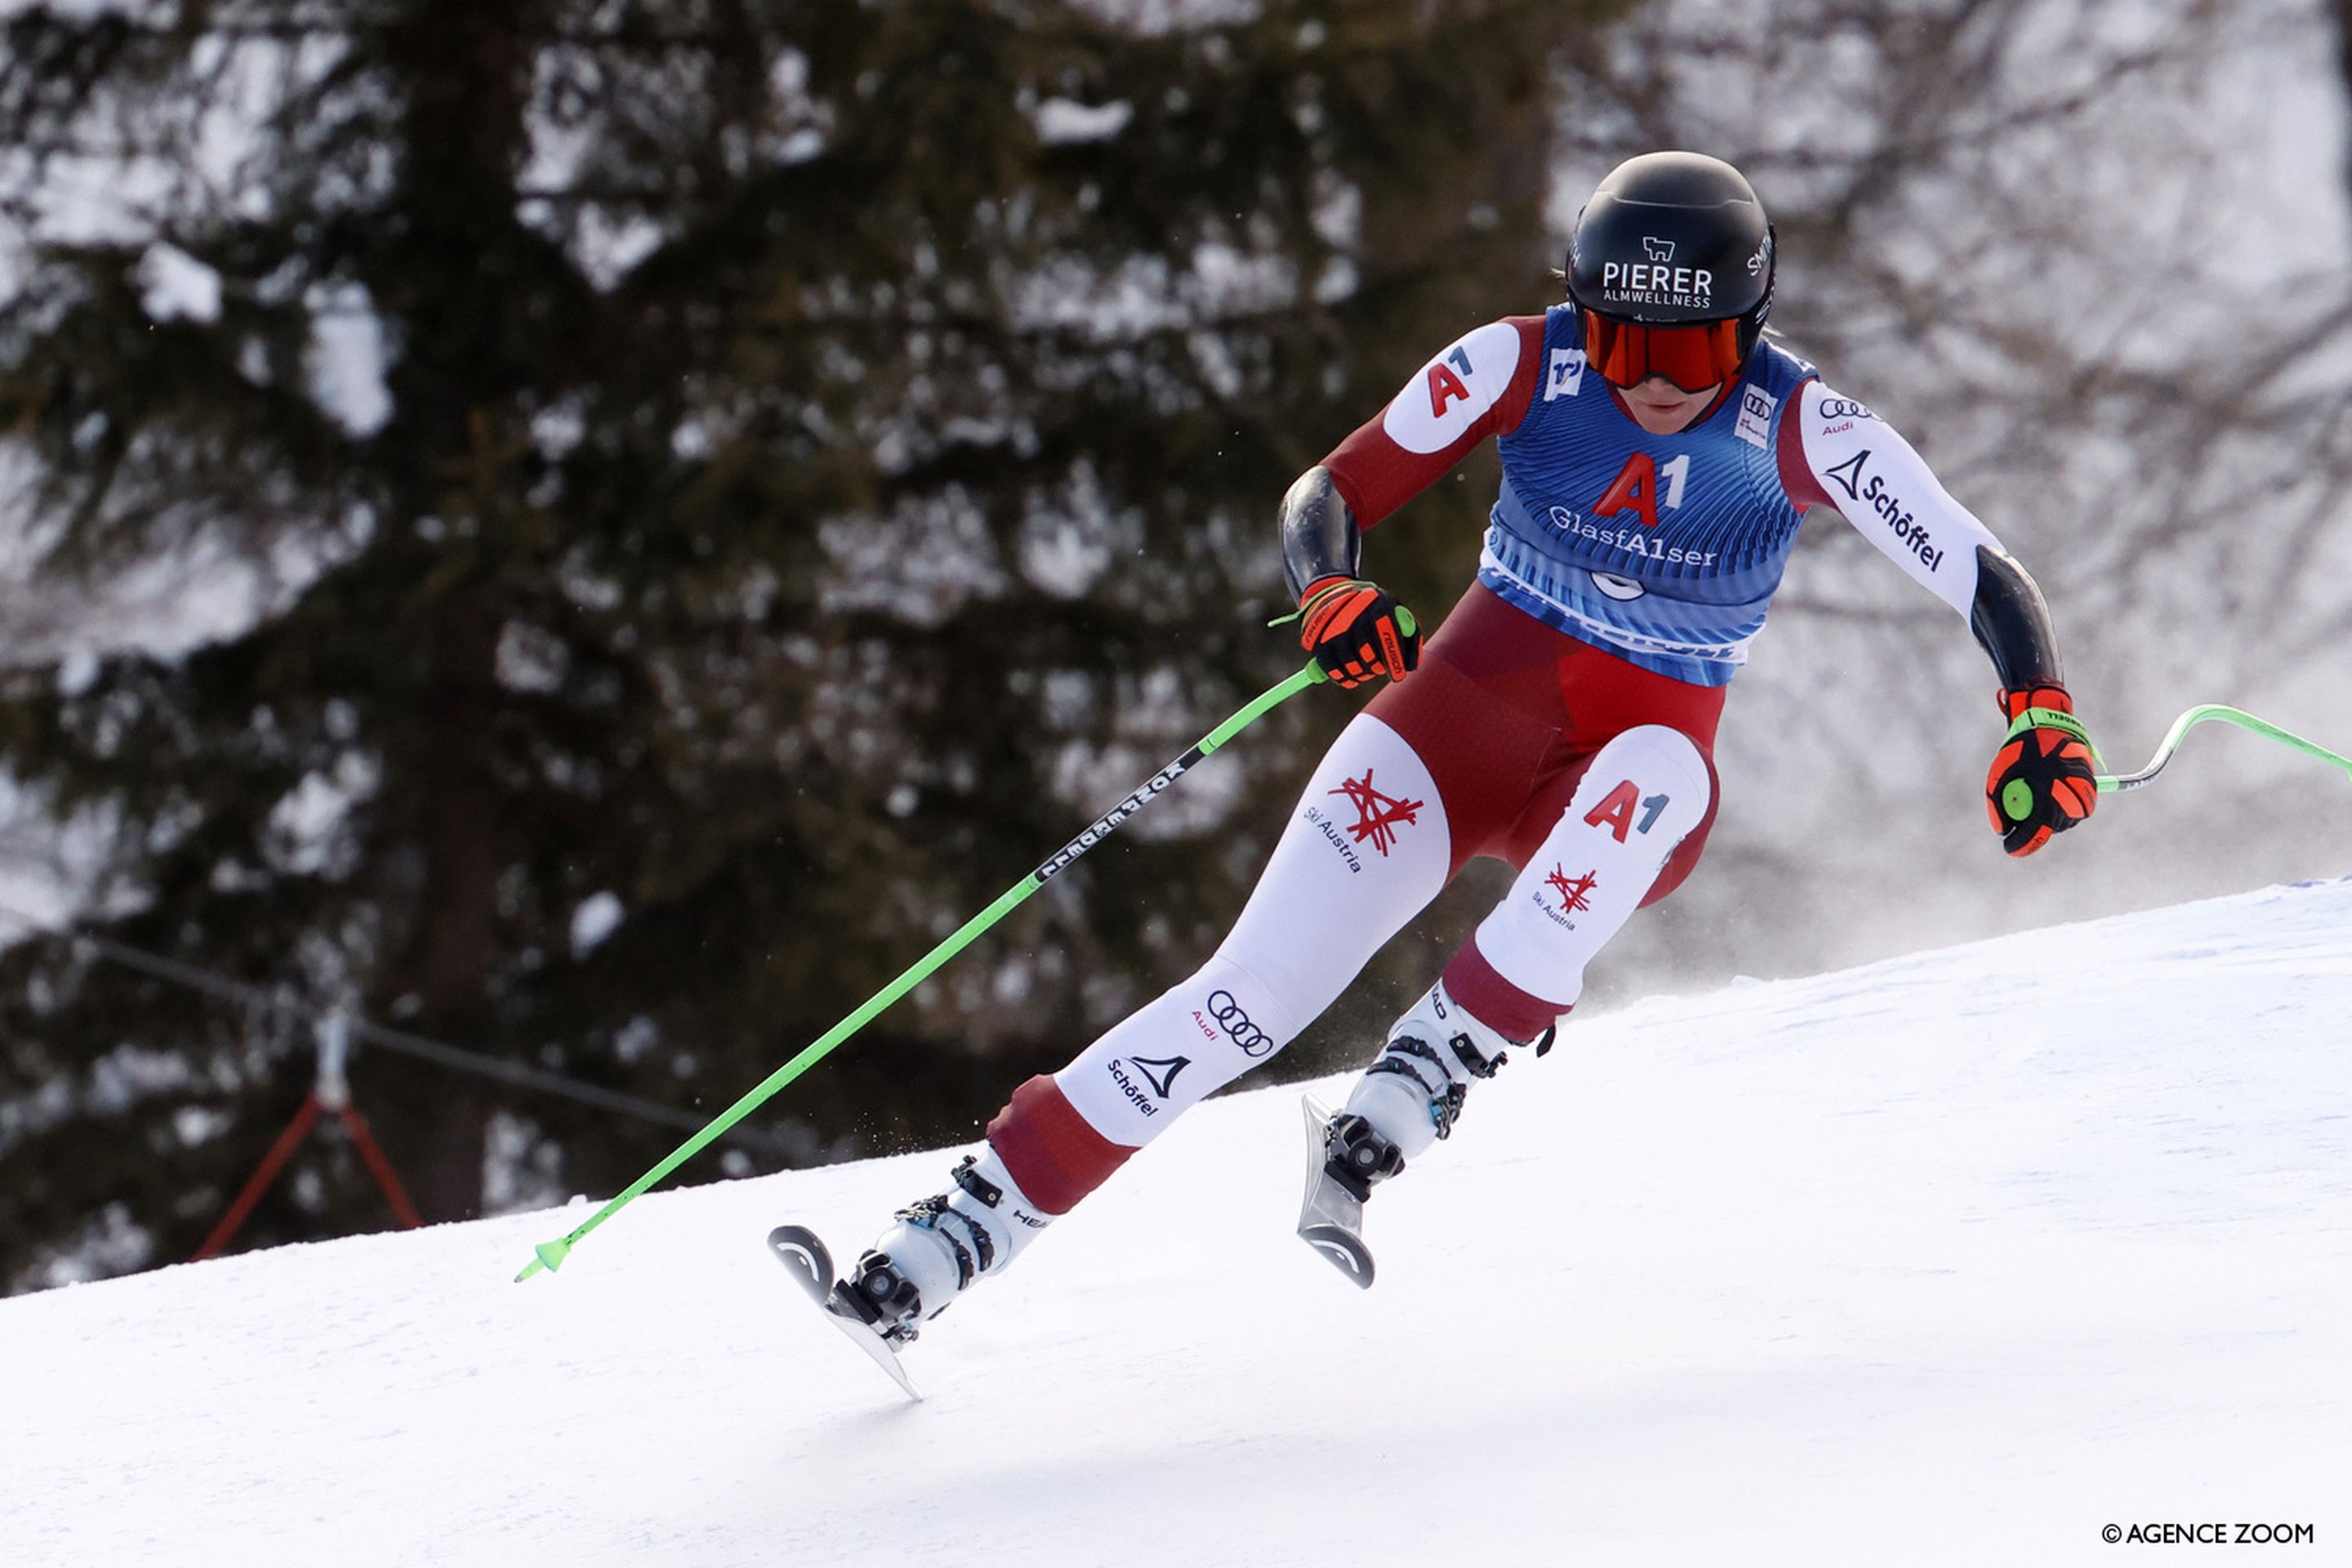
1444 385
1443 404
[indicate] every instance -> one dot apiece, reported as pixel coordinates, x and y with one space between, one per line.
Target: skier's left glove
2044 780
1357 630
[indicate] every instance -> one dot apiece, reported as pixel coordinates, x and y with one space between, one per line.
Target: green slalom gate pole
552 1254
2112 784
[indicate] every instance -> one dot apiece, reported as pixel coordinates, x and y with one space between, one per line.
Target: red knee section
1049 1149
1478 985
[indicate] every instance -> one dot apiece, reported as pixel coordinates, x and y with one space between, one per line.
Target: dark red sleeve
1375 476
1805 491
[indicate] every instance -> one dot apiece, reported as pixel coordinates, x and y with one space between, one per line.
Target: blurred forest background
594 531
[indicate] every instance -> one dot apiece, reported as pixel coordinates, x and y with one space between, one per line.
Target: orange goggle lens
1694 358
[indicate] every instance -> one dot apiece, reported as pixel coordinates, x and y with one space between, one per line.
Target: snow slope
1957 1259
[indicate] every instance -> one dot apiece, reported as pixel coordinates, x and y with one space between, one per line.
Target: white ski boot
940 1246
1407 1099
1412 1094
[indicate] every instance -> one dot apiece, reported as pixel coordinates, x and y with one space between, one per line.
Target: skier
1658 453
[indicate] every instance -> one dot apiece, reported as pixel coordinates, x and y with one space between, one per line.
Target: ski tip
805 1257
798 1249
1346 1252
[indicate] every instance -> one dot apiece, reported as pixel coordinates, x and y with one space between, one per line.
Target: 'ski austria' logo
1576 894
1377 815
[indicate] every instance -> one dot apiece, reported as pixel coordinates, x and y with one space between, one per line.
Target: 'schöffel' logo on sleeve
1874 492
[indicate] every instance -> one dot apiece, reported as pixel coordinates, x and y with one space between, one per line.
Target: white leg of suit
1365 850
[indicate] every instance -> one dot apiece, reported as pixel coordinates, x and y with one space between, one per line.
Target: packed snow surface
1958 1258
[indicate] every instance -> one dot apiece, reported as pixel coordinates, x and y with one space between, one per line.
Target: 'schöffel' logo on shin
1377 815
1159 1071
1874 491
1227 1010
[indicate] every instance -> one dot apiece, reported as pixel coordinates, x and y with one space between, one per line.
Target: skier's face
1661 408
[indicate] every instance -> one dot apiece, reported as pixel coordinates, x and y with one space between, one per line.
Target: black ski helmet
1671 239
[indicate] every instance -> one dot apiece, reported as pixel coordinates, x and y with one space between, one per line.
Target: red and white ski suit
1558 753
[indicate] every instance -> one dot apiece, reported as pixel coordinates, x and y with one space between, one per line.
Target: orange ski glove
1357 631
2044 779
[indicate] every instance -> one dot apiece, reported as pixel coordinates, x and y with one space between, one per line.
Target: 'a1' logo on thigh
1627 810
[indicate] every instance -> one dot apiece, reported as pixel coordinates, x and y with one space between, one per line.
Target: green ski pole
552 1254
2111 783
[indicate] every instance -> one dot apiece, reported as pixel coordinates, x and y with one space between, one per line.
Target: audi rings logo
1254 1041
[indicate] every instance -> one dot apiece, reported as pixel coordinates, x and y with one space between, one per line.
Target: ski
1331 1218
811 1266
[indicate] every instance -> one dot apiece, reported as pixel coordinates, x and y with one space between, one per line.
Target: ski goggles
1696 358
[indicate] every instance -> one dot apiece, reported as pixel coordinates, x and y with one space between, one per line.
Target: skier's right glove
2044 780
1357 630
